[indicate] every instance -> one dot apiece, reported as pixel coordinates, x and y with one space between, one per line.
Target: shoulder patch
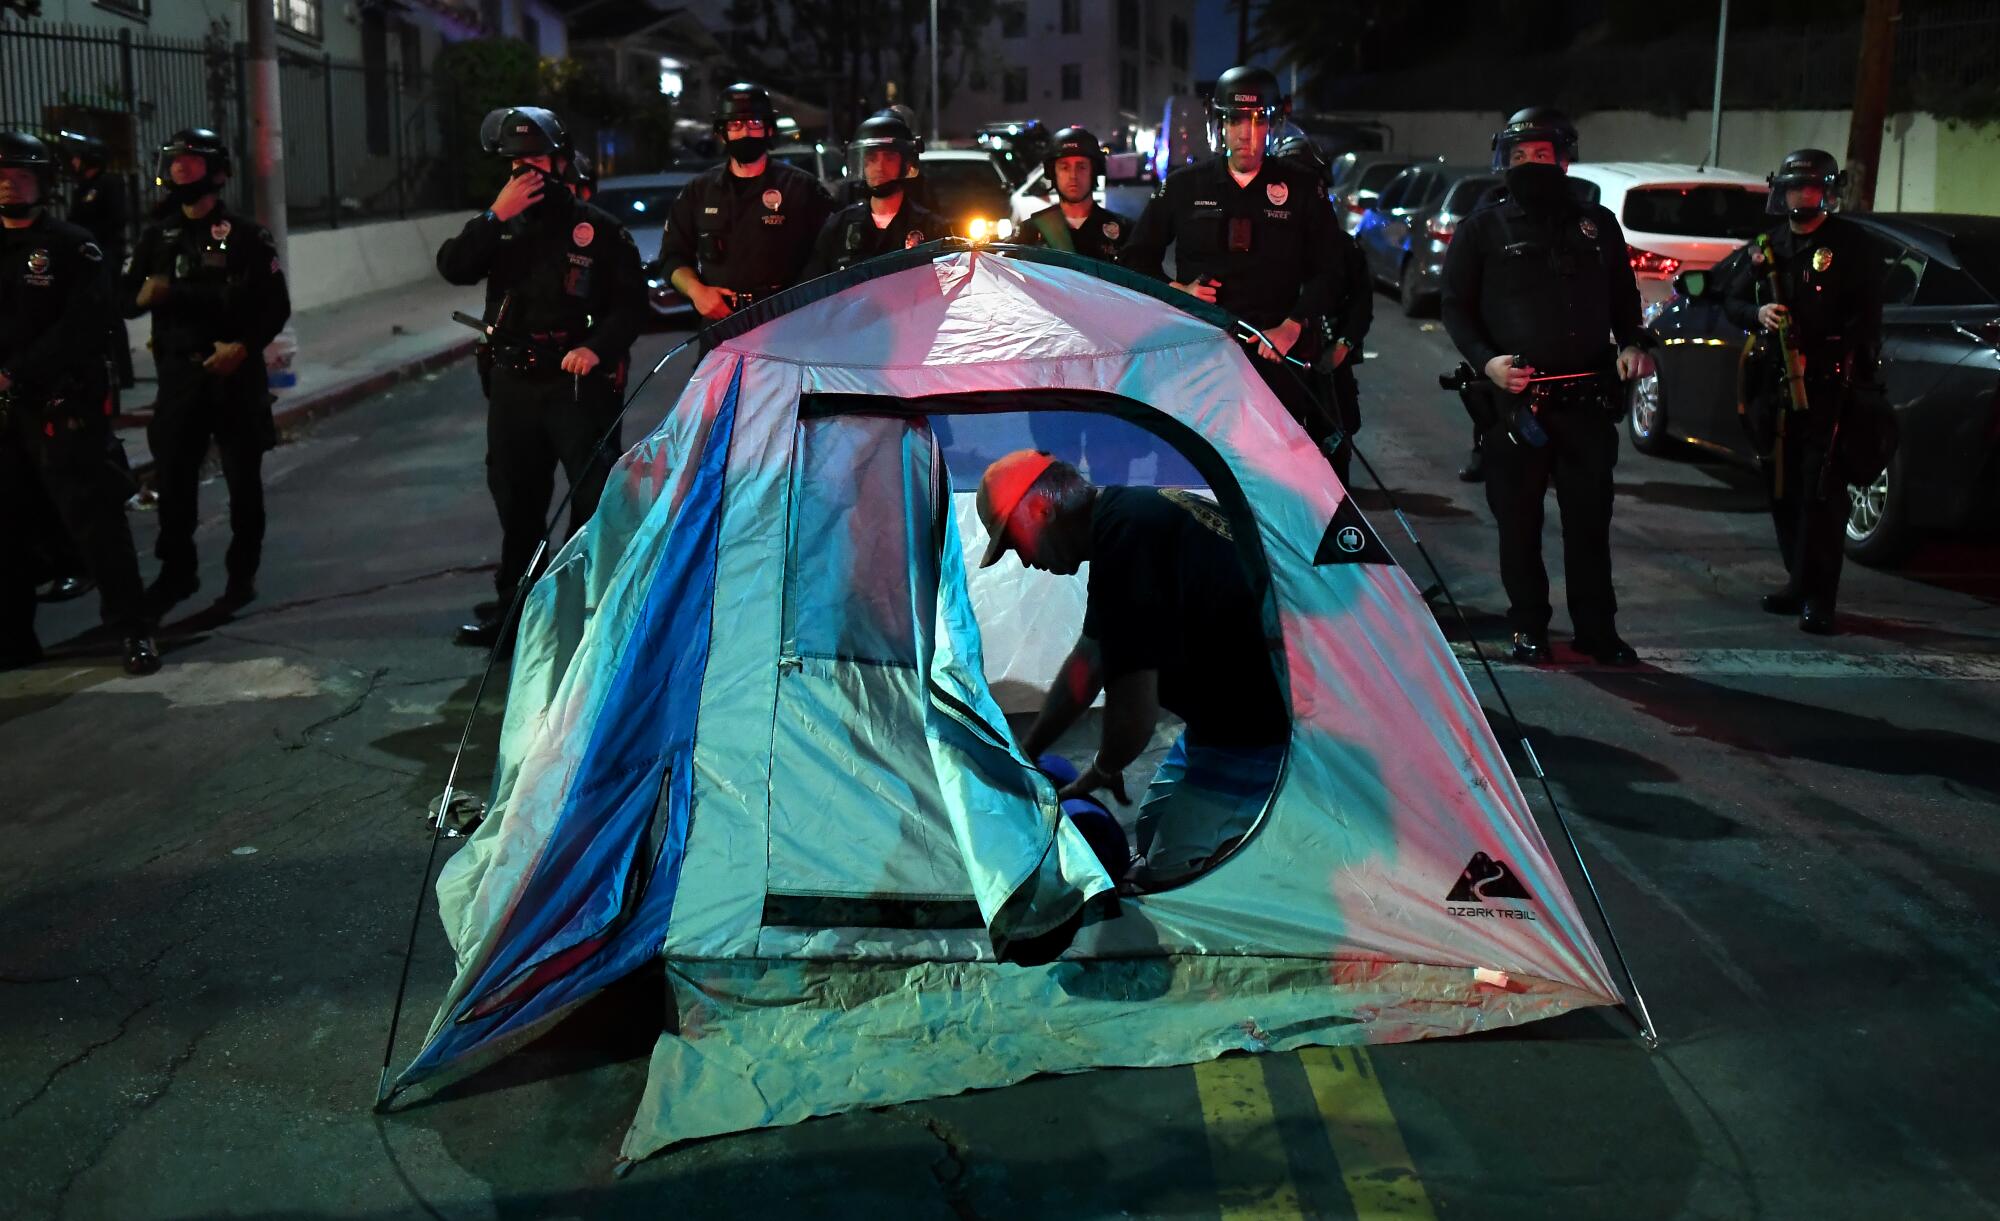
90 251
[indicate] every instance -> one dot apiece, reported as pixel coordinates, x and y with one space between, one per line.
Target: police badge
913 239
1277 193
1111 231
219 231
1588 227
582 234
1822 258
772 199
38 262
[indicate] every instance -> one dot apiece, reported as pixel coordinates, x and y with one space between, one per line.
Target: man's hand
1772 316
1633 364
713 304
1203 290
1504 373
520 194
1340 354
1280 339
579 361
228 357
1094 778
152 291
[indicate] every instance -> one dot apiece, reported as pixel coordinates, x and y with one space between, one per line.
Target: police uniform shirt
851 235
1101 235
566 271
1830 281
745 234
98 204
55 305
224 286
1551 285
1272 243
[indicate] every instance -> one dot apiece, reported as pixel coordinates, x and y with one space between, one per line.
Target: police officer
211 280
744 229
888 219
1254 235
55 410
565 298
98 204
1814 276
1343 328
1536 288
854 188
1075 223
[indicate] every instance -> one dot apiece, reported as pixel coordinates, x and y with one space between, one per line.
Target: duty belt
1593 390
535 352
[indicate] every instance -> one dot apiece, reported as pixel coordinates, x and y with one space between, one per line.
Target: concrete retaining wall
331 265
1928 164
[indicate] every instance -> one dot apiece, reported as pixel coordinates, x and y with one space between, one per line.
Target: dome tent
750 732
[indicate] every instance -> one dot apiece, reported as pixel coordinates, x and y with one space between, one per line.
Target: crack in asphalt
89 1049
145 1104
455 570
950 1168
304 736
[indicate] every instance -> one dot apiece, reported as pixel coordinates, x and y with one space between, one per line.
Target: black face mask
17 211
184 194
745 150
1538 185
554 191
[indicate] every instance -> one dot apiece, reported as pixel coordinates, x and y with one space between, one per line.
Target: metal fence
361 142
1944 60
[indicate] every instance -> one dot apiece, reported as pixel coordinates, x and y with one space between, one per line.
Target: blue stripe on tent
596 907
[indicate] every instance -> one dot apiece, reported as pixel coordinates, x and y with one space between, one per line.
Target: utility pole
935 137
1715 108
1871 102
265 159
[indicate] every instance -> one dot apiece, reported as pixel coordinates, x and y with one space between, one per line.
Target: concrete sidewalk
346 352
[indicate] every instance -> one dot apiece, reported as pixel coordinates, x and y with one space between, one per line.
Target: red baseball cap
1000 491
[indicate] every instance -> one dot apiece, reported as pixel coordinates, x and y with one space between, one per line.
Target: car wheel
1409 287
1646 416
1878 533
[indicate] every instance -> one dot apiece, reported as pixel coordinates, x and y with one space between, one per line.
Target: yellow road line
1253 1182
1373 1161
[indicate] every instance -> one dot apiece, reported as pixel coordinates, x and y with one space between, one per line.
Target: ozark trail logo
1483 885
1351 540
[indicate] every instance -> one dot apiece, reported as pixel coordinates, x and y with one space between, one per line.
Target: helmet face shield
1811 174
1221 118
1535 125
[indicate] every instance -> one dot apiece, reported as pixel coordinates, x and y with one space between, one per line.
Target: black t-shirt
1168 593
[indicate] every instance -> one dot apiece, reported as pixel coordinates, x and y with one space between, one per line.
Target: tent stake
382 1091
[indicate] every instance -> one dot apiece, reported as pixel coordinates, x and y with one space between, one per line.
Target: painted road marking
1374 1163
1252 1180
1770 663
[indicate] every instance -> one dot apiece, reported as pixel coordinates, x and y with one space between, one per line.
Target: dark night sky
1214 38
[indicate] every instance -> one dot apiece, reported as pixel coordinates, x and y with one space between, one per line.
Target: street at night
209 872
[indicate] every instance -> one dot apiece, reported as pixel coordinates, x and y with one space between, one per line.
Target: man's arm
621 303
1326 265
468 258
1356 312
1464 269
1738 291
266 298
134 277
1077 684
1622 287
77 338
826 250
679 252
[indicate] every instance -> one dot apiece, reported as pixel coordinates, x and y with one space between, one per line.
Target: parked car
824 163
1357 178
1940 365
1408 228
640 202
1676 217
966 185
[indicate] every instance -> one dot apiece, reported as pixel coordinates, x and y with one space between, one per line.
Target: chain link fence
361 141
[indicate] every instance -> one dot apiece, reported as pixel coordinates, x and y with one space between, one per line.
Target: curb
292 414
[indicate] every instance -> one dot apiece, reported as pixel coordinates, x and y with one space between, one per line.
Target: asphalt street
206 879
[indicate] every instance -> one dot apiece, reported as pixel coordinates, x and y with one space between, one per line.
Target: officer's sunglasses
745 127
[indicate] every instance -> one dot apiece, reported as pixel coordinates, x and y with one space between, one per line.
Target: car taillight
1651 263
1354 205
1441 226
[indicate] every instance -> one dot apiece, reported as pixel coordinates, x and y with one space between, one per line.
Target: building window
1072 16
1014 19
412 37
1014 86
1128 23
1128 86
1072 82
128 8
531 32
1177 41
301 17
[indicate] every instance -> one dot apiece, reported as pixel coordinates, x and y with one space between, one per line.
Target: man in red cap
1171 621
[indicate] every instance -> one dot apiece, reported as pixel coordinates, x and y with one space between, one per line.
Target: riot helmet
1075 142
1241 91
909 118
887 131
193 142
518 132
81 147
745 103
1535 125
21 151
1297 147
1805 167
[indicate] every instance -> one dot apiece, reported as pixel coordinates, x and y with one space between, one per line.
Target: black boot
1817 619
1782 602
63 589
1607 650
142 656
240 592
1474 470
1530 647
486 634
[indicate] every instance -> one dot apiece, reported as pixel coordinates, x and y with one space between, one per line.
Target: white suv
1676 217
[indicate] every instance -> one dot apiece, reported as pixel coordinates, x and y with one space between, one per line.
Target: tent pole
383 1095
1641 1016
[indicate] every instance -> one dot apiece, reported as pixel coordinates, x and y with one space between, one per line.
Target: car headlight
977 229
1003 228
